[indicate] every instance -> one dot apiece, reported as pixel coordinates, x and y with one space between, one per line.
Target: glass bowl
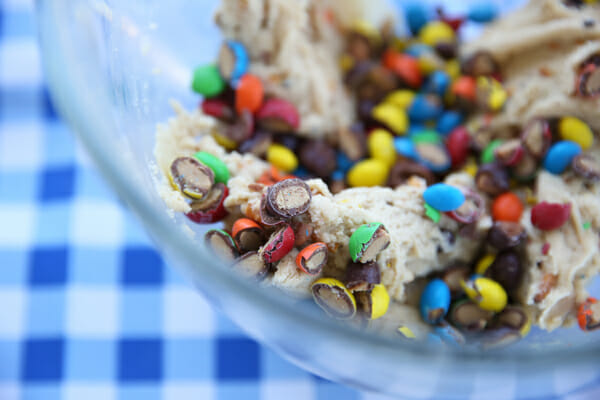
112 67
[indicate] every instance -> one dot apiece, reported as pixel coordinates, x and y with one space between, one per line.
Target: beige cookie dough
540 48
418 246
556 282
294 48
544 36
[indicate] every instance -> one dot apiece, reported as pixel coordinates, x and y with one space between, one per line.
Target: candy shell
488 294
214 163
368 241
417 49
381 146
425 107
370 172
482 12
443 197
549 216
437 83
448 121
333 297
211 207
436 32
435 301
400 98
417 15
588 314
449 334
343 162
404 66
484 263
219 109
233 61
405 147
458 144
488 154
575 130
279 245
426 136
207 81
248 234
282 158
278 115
374 303
432 213
560 156
312 258
249 94
392 117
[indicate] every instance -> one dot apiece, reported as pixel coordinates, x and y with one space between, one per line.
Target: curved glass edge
64 83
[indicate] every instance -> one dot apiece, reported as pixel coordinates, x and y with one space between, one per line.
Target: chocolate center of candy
432 153
250 239
513 318
471 315
226 61
221 247
379 242
250 264
211 200
292 197
191 176
334 300
288 198
316 260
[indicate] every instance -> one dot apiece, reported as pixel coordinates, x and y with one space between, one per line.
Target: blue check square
51 228
140 360
90 360
142 266
48 266
42 360
10 360
14 267
237 359
141 312
189 359
46 312
17 185
92 265
58 183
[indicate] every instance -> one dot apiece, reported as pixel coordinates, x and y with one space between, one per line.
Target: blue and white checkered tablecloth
88 310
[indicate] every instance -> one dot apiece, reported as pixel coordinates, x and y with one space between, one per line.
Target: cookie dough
539 49
294 48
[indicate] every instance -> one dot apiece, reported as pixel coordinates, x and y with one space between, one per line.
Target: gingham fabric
88 310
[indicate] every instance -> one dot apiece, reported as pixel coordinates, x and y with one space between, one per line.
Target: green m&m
207 81
214 163
368 241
